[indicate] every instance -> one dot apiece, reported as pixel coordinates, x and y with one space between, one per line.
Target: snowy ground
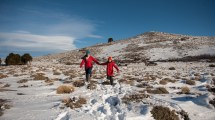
40 101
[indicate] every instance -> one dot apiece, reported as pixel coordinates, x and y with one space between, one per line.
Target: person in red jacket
110 65
88 60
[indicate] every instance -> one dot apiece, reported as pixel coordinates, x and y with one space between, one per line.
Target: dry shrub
169 80
74 102
171 68
107 82
142 85
56 73
163 82
212 65
22 81
39 76
65 89
20 94
185 90
124 81
210 89
23 86
2 76
190 82
6 85
163 113
212 102
136 97
78 83
91 86
49 81
3 106
160 90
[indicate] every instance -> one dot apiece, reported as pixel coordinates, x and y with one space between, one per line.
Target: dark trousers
88 72
111 79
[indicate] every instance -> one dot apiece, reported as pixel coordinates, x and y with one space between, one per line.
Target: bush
163 113
40 76
110 40
171 68
190 82
212 102
16 59
26 58
74 102
65 89
2 76
22 81
185 90
91 86
78 83
13 59
211 65
163 82
160 90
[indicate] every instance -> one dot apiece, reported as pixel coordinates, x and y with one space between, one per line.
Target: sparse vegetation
74 102
185 90
212 102
3 106
190 82
160 90
65 89
212 65
78 83
91 86
172 68
163 113
2 76
137 97
39 76
22 81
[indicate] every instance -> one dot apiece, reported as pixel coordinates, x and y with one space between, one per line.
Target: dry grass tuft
160 90
3 106
129 82
22 81
212 65
23 86
39 76
91 86
163 82
190 82
2 76
137 97
6 85
65 89
163 113
74 102
185 90
78 83
171 68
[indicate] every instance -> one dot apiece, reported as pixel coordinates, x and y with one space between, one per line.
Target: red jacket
88 62
110 66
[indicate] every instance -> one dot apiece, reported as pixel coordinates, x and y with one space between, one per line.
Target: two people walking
88 60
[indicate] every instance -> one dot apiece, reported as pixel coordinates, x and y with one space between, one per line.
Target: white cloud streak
34 42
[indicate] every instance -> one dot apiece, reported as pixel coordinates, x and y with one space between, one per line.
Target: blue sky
42 27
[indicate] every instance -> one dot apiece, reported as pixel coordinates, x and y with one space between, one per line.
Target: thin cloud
94 36
33 42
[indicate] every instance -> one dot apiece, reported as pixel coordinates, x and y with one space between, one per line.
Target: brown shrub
160 90
23 86
91 86
74 102
2 76
106 83
49 81
6 85
65 89
129 82
212 102
190 82
39 76
212 65
163 82
56 73
78 83
171 68
185 90
163 113
142 85
22 81
136 97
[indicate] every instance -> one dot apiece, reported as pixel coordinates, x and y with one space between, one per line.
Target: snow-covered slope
184 87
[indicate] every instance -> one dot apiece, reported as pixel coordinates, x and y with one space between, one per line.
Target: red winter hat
110 58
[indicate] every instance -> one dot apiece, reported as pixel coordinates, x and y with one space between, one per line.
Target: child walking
110 65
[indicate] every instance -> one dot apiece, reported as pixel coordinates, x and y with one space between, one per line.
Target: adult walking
87 61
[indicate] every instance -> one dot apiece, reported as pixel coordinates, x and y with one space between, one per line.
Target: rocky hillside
149 46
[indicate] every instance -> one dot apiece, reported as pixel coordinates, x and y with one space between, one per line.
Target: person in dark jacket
110 65
87 61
